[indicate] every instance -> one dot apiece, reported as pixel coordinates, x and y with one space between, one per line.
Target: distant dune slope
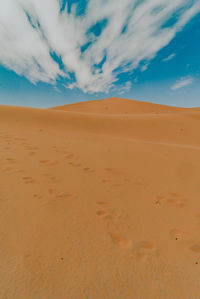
119 106
177 126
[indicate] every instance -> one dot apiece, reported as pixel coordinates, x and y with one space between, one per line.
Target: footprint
176 195
63 194
54 179
176 234
174 199
101 213
44 161
127 180
70 156
11 160
198 217
195 248
51 191
39 196
59 194
142 250
121 241
105 181
78 165
160 200
112 170
32 148
178 202
111 217
8 169
138 183
28 180
108 169
105 215
146 245
74 164
48 162
31 154
102 203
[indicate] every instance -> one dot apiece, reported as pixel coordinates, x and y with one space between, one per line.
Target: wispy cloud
45 40
125 88
170 57
183 82
144 67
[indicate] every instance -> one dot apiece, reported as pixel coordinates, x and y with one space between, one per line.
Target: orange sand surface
100 200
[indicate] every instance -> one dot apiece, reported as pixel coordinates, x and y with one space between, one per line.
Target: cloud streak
170 57
183 82
47 40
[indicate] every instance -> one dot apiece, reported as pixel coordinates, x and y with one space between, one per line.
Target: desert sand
100 200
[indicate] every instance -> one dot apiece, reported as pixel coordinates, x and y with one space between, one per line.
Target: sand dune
100 200
120 106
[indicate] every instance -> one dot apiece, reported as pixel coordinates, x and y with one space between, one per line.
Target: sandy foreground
100 200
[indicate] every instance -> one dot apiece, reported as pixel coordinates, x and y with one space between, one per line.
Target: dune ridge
100 200
168 127
121 106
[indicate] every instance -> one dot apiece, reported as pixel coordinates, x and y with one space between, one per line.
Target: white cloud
71 85
182 83
170 57
32 29
144 67
125 88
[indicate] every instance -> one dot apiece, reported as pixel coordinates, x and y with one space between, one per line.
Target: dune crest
100 200
120 106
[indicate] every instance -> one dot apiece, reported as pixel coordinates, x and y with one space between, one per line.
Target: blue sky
58 52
